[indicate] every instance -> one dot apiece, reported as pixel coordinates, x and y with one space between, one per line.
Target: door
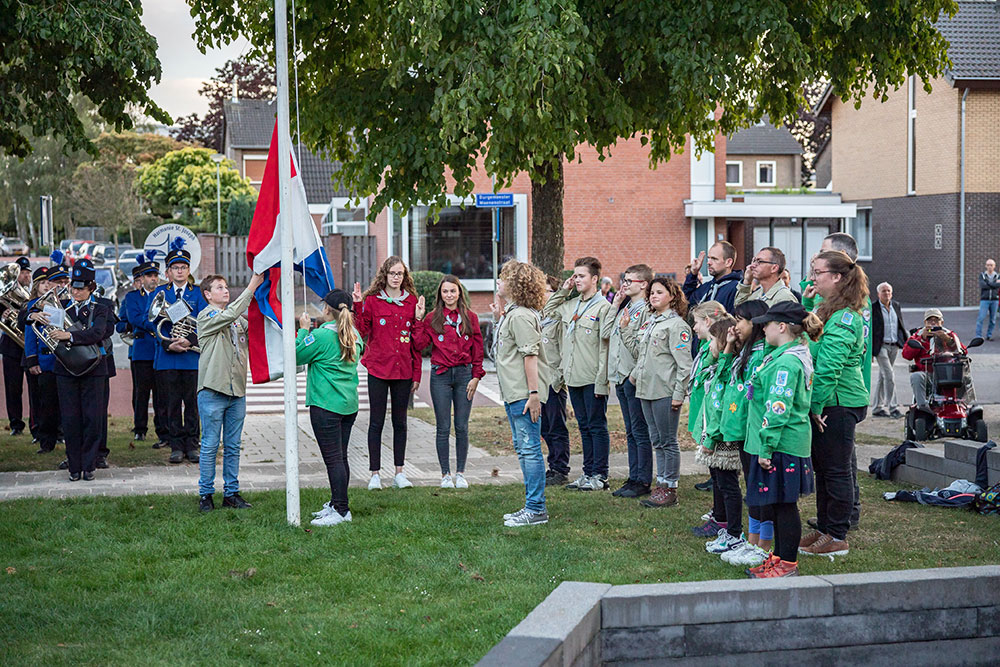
789 241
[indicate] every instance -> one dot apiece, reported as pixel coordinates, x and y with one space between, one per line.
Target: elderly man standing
888 337
989 285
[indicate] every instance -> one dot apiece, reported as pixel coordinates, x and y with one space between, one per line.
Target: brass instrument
77 359
183 328
13 296
51 298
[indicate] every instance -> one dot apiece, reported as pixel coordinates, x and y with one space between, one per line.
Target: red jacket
915 355
386 327
451 349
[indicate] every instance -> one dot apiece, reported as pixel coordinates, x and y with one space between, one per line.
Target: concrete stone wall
912 617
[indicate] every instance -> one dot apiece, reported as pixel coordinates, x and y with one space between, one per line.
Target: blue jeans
451 387
592 417
528 444
554 430
640 451
220 415
986 309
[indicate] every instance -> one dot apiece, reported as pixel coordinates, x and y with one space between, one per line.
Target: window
734 173
860 228
346 216
701 240
765 172
460 242
911 136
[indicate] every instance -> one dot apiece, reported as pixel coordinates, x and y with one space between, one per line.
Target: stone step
919 477
993 459
934 461
963 451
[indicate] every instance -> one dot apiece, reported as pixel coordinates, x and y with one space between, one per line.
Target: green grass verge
18 453
420 577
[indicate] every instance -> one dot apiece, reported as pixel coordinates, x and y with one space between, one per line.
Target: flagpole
288 324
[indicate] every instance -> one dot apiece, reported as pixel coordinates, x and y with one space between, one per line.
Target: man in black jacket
722 287
888 337
989 285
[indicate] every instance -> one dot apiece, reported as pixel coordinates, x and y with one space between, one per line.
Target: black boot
206 504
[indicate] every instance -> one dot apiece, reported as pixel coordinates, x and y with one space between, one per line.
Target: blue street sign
498 200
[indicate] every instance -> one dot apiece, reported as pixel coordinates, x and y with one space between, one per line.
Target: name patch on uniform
847 317
781 379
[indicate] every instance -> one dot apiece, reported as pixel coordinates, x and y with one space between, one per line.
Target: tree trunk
547 219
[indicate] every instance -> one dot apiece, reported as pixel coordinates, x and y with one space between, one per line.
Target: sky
185 68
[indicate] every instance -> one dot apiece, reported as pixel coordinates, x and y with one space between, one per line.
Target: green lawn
420 577
19 454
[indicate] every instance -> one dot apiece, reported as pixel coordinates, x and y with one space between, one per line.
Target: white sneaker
511 515
460 482
707 515
578 482
375 482
331 519
446 482
400 481
720 538
749 556
326 508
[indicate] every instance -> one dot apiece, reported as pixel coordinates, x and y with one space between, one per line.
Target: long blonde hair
346 333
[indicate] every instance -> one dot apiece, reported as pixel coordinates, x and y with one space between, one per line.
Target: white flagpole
288 324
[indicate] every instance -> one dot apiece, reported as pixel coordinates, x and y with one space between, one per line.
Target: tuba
13 296
78 360
185 327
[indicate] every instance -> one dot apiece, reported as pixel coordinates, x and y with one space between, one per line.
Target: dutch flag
264 256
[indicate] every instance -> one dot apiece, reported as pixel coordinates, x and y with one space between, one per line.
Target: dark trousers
447 389
32 404
381 392
102 448
80 410
13 389
787 531
333 432
47 415
592 418
143 385
640 451
727 496
832 454
180 402
554 431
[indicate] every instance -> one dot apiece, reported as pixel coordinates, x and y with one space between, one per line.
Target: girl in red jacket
385 316
456 368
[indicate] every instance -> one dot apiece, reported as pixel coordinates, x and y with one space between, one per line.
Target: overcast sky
184 66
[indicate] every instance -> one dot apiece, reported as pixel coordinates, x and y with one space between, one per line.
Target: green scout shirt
552 332
222 336
519 335
331 382
584 348
663 361
715 389
623 344
838 357
776 294
778 418
812 303
697 397
734 400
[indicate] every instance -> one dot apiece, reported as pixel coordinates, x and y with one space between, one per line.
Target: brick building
910 162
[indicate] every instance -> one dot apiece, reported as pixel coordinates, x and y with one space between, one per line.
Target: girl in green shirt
332 351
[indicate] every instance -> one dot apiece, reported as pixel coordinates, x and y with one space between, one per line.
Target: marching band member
13 373
38 362
133 316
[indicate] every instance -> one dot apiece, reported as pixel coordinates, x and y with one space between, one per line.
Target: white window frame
774 173
252 158
850 229
738 163
346 203
473 284
911 139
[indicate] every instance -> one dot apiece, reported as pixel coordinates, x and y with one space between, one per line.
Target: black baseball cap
334 298
791 312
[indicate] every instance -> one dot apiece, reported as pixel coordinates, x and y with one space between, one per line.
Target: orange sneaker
809 540
768 563
781 568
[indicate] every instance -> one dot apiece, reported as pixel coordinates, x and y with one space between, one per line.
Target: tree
105 196
254 80
239 215
55 51
810 129
186 179
406 93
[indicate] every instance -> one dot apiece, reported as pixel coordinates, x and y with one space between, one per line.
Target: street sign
497 200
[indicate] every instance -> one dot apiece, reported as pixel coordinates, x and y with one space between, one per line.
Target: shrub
426 283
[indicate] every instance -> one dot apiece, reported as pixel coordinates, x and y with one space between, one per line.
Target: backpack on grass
988 502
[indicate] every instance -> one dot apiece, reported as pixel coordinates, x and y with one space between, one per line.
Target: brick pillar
334 246
208 244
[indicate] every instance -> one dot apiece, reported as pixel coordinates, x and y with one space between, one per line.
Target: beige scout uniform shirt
222 336
776 294
623 344
519 335
664 361
584 345
552 333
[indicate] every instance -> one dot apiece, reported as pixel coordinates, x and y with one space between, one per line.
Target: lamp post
217 158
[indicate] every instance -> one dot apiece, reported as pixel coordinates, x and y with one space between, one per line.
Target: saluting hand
496 310
356 294
697 262
421 308
567 283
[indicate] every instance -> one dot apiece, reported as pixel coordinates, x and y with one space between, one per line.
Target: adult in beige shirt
222 383
766 269
554 431
585 365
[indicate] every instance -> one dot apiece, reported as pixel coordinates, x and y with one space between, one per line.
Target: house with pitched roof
763 157
921 167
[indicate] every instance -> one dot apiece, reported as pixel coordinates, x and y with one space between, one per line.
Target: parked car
105 254
105 278
13 246
129 260
73 252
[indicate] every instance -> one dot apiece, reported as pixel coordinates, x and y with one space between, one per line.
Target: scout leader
585 366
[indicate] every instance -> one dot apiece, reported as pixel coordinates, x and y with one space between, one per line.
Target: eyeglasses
396 274
814 272
755 260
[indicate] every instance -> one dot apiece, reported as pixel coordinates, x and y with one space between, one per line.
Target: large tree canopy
404 92
51 51
187 179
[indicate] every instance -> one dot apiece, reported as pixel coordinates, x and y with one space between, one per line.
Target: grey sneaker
511 515
527 519
579 482
593 484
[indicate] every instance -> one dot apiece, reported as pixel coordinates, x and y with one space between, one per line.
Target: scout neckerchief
577 314
703 382
397 301
496 336
632 308
448 322
774 355
647 328
734 380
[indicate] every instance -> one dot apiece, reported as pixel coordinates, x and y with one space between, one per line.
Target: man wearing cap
13 373
222 388
176 365
133 316
934 339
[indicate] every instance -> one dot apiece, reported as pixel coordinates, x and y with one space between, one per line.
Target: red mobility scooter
948 414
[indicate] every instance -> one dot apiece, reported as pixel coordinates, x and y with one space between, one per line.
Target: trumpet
185 327
13 296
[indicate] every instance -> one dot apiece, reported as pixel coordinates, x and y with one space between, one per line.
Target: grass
18 453
489 430
420 577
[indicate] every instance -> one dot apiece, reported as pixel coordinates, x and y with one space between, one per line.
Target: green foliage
54 52
239 215
186 179
427 283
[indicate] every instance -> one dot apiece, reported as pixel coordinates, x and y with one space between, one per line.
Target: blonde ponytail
347 334
811 326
